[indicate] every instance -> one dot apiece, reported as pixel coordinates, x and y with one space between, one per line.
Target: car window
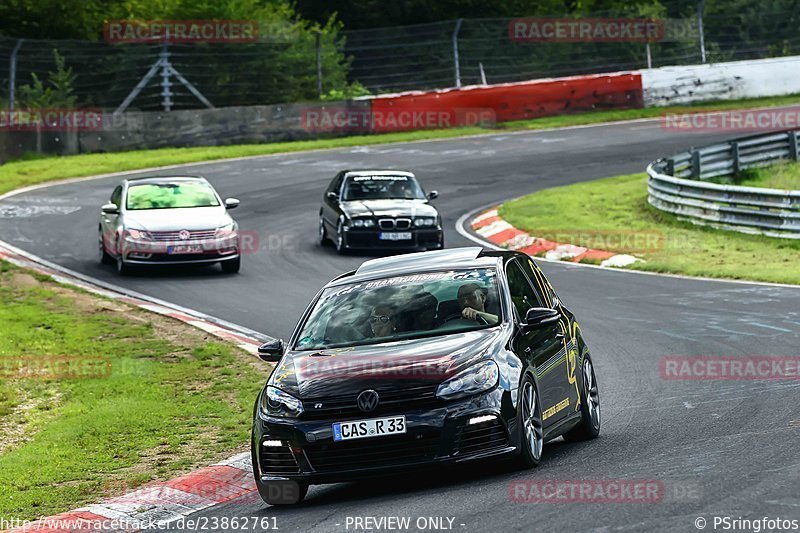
336 184
522 294
537 280
382 188
170 196
398 307
116 196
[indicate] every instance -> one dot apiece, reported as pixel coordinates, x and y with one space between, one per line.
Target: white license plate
362 429
395 236
185 249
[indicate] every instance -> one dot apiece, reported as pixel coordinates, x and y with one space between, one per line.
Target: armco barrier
676 185
518 101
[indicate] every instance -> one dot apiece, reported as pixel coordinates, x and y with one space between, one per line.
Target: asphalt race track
719 448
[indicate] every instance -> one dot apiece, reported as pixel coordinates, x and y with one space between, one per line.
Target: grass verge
783 175
29 172
165 400
608 211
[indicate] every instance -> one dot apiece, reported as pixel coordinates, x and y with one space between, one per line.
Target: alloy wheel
591 393
532 420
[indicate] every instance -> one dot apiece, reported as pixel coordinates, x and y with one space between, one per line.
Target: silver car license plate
362 429
395 236
185 249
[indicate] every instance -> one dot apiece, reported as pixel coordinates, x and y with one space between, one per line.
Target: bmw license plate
185 249
362 429
395 236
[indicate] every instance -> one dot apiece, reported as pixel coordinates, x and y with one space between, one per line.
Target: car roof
165 179
377 172
468 257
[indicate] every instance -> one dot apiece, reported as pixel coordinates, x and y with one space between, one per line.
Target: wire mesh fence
425 56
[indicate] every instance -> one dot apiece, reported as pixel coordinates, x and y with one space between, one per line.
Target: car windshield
170 196
382 188
401 307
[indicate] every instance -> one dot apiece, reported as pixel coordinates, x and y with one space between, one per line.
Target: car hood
389 208
382 367
194 218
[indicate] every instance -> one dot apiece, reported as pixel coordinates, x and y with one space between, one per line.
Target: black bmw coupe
379 209
425 358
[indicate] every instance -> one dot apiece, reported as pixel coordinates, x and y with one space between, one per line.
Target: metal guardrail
677 185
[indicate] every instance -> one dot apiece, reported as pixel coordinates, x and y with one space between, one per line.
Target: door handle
560 336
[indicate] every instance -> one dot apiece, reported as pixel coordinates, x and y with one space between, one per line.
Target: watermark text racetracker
246 241
571 30
68 119
54 119
181 31
51 367
333 118
623 491
754 120
759 367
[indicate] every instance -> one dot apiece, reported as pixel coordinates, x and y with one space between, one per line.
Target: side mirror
110 209
231 203
433 195
332 196
271 351
539 317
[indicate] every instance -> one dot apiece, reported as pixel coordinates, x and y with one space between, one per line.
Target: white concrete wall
721 81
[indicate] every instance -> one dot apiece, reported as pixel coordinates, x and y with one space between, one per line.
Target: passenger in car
382 321
472 300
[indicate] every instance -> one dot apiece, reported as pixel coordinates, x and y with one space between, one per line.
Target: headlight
275 402
137 234
475 379
424 222
363 223
227 229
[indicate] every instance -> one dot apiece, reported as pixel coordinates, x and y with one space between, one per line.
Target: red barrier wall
517 101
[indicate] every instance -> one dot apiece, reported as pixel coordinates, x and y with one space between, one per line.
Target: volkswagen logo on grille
367 400
183 234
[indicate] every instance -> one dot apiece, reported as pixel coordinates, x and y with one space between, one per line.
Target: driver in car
472 300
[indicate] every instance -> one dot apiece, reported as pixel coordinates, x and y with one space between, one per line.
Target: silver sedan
168 220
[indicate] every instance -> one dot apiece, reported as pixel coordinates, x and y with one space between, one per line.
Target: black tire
231 266
322 237
589 426
105 257
529 418
339 242
263 490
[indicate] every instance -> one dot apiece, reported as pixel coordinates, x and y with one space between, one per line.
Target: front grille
402 223
371 453
386 223
277 460
481 437
174 236
335 408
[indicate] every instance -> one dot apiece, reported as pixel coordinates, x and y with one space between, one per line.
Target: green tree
57 92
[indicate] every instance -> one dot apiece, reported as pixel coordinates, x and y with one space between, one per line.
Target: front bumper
443 435
164 253
360 238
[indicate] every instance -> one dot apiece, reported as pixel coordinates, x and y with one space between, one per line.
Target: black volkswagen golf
379 209
425 358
